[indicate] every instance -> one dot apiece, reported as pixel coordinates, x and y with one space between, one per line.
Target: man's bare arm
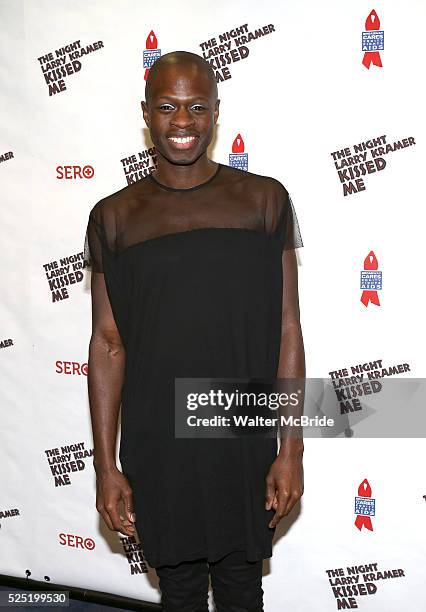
284 482
292 352
105 381
106 375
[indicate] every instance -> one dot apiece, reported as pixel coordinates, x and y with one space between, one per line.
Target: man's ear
145 112
216 110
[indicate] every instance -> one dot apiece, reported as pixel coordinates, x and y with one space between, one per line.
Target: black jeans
236 584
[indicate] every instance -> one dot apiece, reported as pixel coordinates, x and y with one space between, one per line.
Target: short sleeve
287 230
290 230
92 253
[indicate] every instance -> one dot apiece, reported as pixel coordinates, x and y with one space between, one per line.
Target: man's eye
166 107
198 107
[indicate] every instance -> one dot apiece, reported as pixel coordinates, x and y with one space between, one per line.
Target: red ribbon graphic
370 263
151 43
364 490
238 144
372 57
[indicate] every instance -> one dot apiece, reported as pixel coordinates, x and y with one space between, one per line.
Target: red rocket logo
238 144
151 41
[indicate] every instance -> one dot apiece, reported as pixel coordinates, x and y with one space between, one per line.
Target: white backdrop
300 94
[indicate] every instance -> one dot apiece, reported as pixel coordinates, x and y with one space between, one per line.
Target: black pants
236 584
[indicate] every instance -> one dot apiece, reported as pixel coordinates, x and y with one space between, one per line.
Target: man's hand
111 487
284 485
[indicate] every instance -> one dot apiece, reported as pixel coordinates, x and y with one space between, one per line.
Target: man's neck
184 176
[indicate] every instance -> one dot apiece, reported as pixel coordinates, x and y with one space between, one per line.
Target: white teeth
182 140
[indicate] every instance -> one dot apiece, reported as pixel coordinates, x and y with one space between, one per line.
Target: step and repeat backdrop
328 98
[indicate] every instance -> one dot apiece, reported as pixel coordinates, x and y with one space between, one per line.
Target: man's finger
282 502
104 513
113 512
275 502
290 504
294 498
269 493
128 505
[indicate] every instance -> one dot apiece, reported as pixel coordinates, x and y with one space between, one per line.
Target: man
181 110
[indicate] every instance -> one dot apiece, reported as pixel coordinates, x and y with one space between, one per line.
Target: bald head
172 62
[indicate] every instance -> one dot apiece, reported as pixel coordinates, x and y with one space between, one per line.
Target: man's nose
182 117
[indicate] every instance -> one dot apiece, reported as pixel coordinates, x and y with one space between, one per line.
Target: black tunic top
194 277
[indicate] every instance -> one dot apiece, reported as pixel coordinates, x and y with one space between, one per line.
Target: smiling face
181 110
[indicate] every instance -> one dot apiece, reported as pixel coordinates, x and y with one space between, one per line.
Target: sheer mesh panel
231 199
93 241
288 229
